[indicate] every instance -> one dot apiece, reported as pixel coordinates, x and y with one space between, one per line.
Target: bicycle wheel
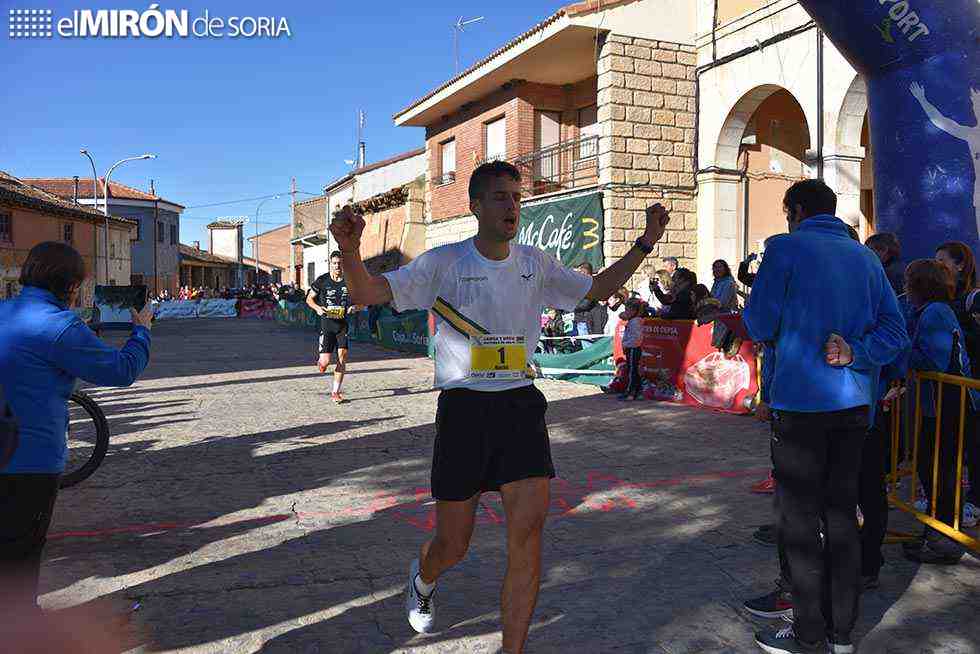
88 439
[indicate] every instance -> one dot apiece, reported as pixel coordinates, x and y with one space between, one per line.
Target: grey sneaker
421 609
843 646
783 641
777 604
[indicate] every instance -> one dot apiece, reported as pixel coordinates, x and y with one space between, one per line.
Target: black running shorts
333 335
485 439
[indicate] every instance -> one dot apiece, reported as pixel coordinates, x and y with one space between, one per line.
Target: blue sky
235 118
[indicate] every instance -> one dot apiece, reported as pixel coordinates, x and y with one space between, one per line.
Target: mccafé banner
569 228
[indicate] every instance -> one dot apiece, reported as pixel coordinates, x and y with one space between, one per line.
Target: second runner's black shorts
485 439
333 335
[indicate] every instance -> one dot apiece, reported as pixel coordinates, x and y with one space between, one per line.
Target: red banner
680 365
261 309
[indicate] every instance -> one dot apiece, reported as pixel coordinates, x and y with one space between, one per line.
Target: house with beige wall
30 215
778 103
154 247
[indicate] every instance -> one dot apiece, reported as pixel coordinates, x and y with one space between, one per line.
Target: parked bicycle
88 439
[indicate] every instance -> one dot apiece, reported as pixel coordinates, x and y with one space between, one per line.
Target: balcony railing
447 178
565 165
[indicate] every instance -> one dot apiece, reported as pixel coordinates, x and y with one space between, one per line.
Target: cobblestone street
249 513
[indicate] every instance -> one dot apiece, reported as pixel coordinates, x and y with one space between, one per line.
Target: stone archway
847 166
751 161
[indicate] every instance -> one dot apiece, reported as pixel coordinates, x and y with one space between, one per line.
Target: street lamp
105 198
255 245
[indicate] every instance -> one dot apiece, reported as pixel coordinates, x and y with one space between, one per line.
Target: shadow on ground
298 539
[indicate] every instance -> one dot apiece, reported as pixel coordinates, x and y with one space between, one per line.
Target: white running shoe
971 515
421 609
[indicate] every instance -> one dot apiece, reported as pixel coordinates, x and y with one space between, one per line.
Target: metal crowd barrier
909 434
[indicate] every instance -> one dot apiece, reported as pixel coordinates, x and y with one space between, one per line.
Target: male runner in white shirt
490 427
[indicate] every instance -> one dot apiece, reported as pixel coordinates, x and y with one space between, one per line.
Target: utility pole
292 231
255 243
156 219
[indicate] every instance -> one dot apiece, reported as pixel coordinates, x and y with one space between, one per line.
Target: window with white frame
588 131
496 139
448 172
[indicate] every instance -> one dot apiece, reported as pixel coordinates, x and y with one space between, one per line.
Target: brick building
272 248
30 215
589 103
391 195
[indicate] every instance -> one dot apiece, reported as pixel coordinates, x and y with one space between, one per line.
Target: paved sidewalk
249 513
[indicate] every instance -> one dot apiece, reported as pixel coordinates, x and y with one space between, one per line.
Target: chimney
197 245
152 191
74 194
360 154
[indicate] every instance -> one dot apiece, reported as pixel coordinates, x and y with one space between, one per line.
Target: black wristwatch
646 249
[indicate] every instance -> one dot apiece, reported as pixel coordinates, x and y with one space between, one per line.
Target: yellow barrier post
959 460
952 531
895 475
916 432
935 452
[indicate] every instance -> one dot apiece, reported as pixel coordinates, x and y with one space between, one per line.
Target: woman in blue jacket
44 349
723 288
937 346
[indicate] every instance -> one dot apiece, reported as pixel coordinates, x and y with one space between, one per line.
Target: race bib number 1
498 357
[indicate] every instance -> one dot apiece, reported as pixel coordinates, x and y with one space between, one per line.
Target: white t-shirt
504 297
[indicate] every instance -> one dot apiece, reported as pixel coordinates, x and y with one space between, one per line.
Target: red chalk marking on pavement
567 500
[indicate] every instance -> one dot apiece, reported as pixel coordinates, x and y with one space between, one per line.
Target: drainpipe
819 103
745 207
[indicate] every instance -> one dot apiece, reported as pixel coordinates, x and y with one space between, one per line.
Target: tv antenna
457 28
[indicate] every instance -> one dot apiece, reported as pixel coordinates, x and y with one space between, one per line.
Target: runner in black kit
490 421
328 296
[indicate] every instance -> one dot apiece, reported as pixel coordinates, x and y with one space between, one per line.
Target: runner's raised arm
615 276
365 288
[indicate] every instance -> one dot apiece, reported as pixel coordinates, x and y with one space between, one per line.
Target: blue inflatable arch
922 68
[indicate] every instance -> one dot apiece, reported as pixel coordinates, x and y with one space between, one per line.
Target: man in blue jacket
44 349
823 301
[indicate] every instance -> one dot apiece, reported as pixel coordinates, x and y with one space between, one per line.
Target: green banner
407 331
296 313
359 326
569 228
593 357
